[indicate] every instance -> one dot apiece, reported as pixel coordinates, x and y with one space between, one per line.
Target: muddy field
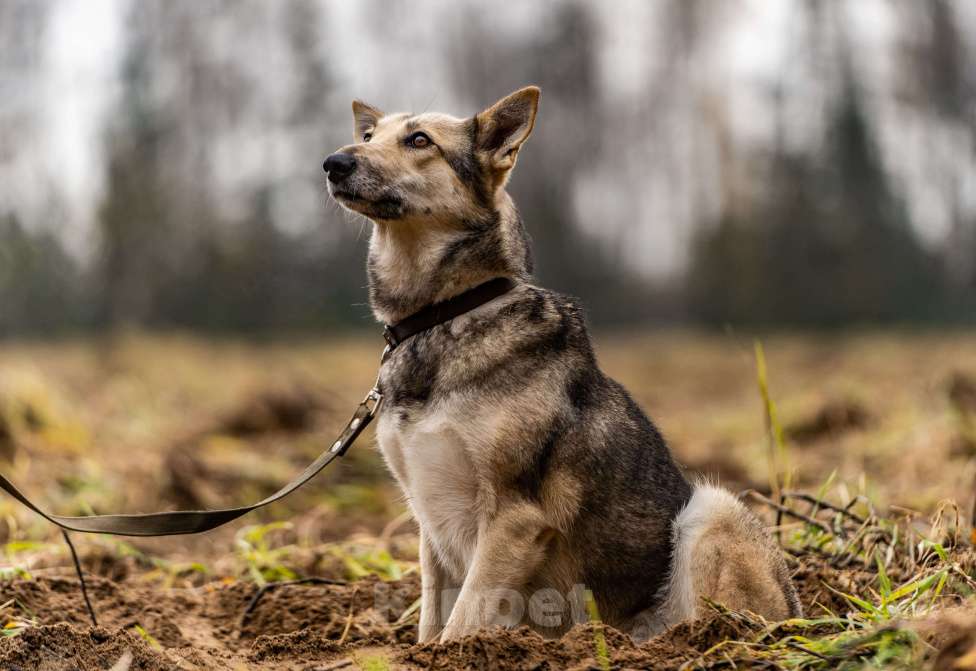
879 434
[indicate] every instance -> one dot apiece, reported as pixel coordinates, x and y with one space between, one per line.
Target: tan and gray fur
532 475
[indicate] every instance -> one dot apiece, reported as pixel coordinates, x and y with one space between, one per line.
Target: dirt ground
359 625
883 422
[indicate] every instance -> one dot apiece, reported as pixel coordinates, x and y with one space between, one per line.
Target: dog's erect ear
366 117
503 127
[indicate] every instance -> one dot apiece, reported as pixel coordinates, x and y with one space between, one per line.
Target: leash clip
365 413
375 397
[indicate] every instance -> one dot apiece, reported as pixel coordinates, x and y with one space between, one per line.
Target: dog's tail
723 552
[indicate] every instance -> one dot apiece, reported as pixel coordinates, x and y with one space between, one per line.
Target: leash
194 521
179 522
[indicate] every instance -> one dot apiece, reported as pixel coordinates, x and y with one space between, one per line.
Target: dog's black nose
339 166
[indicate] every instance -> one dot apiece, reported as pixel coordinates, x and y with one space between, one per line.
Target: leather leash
196 521
180 522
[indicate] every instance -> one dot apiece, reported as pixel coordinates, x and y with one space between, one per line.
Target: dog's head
430 167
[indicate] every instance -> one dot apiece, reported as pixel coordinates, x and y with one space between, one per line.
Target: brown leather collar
438 313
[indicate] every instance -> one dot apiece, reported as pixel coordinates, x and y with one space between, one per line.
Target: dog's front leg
433 585
510 549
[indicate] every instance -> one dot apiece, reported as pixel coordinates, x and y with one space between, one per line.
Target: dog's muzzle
339 166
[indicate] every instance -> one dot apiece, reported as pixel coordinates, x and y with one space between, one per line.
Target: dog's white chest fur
431 457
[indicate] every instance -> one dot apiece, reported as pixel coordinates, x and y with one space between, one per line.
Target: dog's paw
453 633
463 622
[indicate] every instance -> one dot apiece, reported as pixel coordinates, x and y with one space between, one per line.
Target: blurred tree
561 57
828 242
189 239
23 26
41 287
150 221
130 220
937 84
321 266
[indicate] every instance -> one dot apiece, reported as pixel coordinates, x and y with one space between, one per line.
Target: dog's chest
432 454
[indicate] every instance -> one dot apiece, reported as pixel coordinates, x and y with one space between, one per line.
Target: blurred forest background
801 163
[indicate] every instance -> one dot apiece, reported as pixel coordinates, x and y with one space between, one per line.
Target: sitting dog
536 481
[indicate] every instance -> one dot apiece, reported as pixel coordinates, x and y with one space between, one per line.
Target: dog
539 486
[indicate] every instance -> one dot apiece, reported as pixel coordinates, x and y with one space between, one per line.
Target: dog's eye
418 140
367 137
